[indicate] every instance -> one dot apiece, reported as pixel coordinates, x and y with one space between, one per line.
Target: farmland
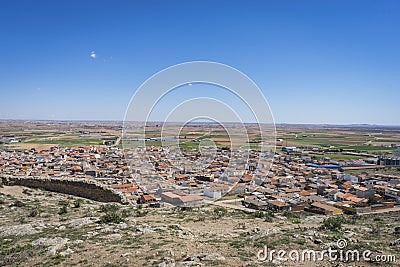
375 140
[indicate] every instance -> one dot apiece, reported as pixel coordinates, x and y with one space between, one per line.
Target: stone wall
72 186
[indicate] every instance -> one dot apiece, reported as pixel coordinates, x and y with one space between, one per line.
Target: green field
368 148
68 142
338 142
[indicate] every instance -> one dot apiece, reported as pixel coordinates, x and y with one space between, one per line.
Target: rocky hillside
39 228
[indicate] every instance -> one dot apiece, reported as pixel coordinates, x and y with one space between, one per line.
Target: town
293 178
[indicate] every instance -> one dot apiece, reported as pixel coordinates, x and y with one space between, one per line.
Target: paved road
118 140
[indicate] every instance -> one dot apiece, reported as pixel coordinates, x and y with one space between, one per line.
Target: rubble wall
71 186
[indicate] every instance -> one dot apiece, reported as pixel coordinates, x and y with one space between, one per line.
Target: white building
215 192
212 192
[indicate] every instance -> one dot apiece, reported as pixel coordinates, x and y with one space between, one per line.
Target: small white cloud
93 55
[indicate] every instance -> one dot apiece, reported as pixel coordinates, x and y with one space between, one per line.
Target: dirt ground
39 228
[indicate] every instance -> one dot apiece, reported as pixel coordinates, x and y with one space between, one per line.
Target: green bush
185 208
63 210
77 203
17 203
333 223
111 217
291 215
34 212
266 215
109 208
63 203
373 200
27 192
220 211
142 213
112 214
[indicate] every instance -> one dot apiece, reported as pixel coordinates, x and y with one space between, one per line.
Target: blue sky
315 61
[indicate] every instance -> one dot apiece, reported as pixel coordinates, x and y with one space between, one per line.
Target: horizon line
206 122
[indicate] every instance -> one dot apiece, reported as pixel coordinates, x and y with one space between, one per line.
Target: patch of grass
68 142
109 208
333 223
34 212
15 255
112 214
265 241
27 192
296 221
110 265
111 217
77 203
17 203
141 213
241 243
63 210
245 255
368 148
266 215
219 212
299 241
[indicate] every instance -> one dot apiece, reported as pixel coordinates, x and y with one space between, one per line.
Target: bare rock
190 264
18 230
349 233
77 242
121 226
66 252
265 233
206 257
395 243
115 236
54 244
318 241
77 223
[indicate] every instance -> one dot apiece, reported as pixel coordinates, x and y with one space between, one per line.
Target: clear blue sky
316 61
